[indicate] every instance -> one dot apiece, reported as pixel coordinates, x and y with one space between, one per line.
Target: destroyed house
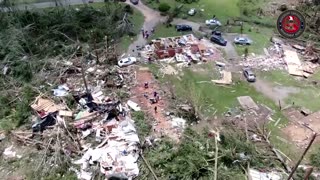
169 47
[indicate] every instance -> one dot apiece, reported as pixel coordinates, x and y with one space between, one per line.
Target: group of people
146 33
155 98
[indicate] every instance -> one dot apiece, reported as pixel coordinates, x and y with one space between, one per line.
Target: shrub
164 7
283 7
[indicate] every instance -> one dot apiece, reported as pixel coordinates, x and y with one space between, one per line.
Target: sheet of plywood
247 102
226 78
46 105
293 63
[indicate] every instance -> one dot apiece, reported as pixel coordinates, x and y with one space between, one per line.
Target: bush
164 7
315 158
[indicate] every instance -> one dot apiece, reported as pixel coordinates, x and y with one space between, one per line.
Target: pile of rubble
282 56
85 115
180 49
264 63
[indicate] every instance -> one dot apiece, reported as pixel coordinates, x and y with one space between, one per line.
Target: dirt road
151 19
142 95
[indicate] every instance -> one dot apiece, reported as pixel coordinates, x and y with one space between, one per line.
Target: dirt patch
162 124
300 127
275 93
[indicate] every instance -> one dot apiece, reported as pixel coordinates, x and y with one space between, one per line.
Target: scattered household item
133 105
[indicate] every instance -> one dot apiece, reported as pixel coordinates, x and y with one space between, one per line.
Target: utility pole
84 76
95 47
303 154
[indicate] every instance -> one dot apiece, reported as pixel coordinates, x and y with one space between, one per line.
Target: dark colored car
135 2
218 40
218 33
183 27
249 75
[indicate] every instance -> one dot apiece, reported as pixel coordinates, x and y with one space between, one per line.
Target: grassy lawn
259 35
308 93
209 97
223 9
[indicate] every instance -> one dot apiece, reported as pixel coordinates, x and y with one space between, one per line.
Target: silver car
242 41
249 75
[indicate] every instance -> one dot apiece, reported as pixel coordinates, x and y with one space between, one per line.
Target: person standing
155 109
142 31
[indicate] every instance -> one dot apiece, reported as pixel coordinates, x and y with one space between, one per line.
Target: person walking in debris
155 109
145 34
155 94
145 95
146 85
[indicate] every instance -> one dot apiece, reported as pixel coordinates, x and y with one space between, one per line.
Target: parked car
249 75
183 27
90 1
218 40
135 2
242 41
213 22
127 61
192 12
218 33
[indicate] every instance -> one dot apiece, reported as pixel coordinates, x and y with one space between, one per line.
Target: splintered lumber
303 154
149 167
274 150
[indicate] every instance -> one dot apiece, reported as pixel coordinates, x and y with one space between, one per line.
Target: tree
164 7
246 53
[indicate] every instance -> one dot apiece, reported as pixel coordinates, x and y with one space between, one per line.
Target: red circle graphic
291 24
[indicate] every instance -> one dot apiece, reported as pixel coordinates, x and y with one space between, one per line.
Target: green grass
209 97
163 31
223 9
27 1
220 97
137 19
259 35
308 93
